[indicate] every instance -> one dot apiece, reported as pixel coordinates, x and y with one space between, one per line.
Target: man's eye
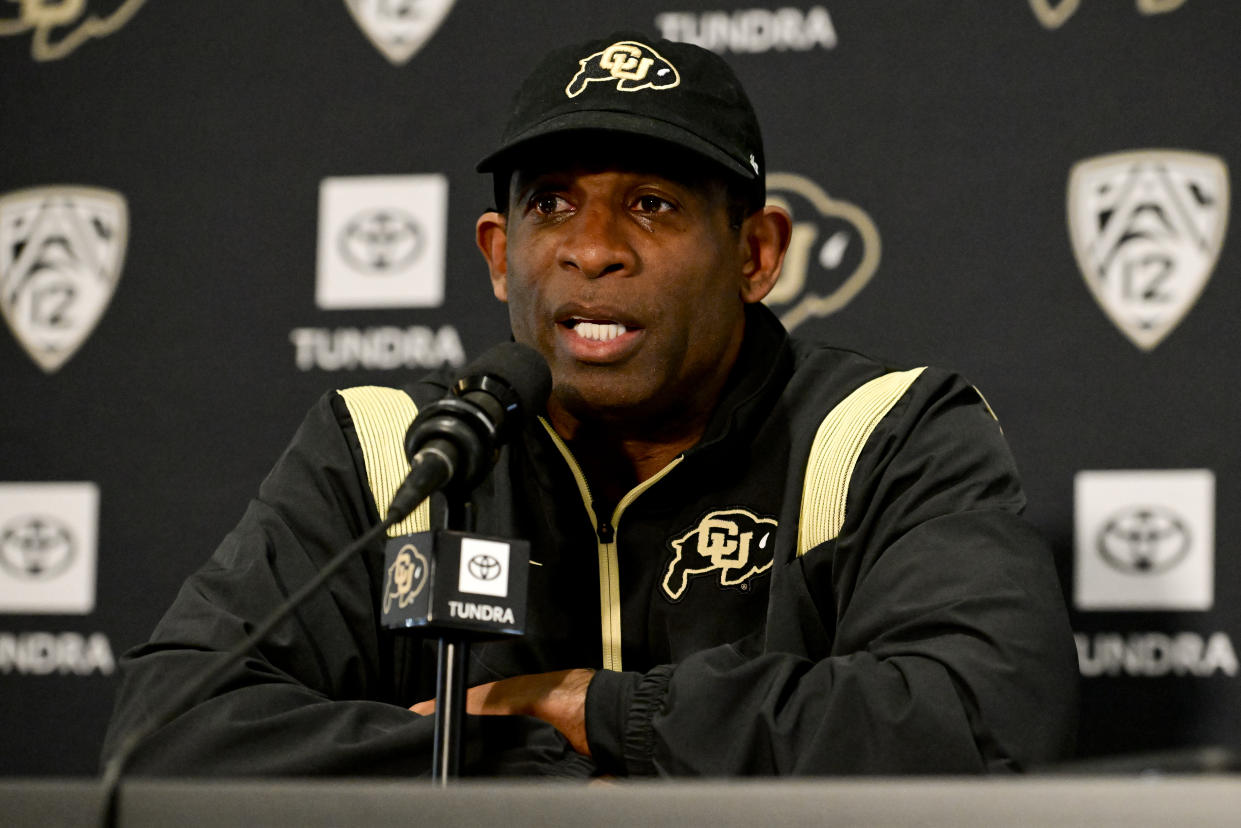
547 204
652 204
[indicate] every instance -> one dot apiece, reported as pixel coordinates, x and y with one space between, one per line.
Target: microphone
453 442
456 585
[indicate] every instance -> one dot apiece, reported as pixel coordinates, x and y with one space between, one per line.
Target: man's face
629 282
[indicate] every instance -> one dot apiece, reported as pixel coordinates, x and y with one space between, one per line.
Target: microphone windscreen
518 366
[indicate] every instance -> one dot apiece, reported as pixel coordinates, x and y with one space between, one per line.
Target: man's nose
595 243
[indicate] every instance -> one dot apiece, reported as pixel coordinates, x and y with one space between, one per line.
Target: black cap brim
506 156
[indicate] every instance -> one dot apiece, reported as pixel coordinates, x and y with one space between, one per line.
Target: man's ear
765 238
491 236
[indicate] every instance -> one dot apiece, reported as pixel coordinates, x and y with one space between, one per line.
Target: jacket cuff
620 709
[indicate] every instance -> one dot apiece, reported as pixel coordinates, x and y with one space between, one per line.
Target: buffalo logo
406 577
61 250
631 65
399 28
60 26
735 542
1144 540
833 253
380 241
1053 15
484 567
1147 228
37 548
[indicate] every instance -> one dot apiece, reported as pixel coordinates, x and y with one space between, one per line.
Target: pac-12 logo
735 543
61 250
833 253
399 28
631 65
1147 228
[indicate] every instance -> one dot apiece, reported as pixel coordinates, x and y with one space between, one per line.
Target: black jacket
894 615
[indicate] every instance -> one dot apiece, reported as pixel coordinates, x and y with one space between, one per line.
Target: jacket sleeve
323 692
948 648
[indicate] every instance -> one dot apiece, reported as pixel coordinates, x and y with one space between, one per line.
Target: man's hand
557 698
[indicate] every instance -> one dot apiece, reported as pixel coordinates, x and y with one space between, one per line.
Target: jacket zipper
605 535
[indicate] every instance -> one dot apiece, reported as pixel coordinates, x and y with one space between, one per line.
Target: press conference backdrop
212 213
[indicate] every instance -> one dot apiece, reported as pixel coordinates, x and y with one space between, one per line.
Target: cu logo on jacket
735 543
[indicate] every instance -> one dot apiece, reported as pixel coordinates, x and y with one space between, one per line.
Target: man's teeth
603 332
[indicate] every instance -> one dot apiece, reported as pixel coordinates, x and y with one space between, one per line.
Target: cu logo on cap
628 64
1144 540
484 567
625 60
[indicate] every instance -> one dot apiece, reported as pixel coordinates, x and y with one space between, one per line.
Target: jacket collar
763 367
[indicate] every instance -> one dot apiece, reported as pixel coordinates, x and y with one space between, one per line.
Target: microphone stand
452 662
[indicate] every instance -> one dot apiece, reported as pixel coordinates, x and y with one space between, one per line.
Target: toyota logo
1144 540
37 547
380 241
484 567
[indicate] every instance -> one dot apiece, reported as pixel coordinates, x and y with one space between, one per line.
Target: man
754 555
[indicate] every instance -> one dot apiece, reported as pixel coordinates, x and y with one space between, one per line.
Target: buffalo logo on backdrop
61 250
61 26
406 577
48 547
399 28
1144 540
630 65
735 544
1054 13
833 253
751 30
484 567
1147 228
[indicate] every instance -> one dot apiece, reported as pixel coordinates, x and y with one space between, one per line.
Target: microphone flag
465 585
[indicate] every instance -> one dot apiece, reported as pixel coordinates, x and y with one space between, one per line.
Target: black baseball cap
673 92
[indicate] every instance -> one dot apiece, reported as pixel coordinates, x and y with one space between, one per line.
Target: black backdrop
925 146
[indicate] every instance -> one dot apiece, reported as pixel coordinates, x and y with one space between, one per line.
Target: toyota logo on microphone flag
484 567
455 583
